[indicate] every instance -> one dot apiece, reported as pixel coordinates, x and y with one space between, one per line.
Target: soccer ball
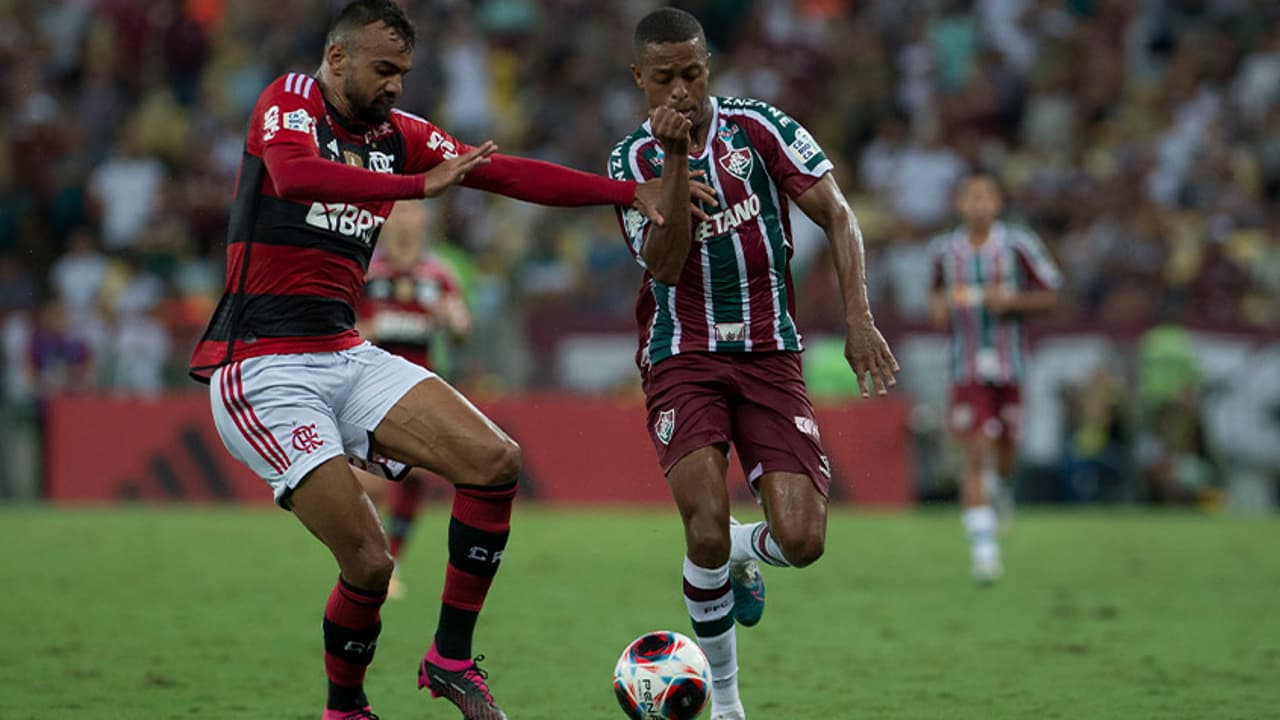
662 675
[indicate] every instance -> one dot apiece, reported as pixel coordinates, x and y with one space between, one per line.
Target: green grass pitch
215 613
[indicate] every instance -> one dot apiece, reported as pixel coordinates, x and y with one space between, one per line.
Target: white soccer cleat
731 714
987 569
747 582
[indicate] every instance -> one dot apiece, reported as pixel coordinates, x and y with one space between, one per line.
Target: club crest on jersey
665 426
737 162
381 162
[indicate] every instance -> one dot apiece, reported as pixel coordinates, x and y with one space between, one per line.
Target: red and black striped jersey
311 198
400 306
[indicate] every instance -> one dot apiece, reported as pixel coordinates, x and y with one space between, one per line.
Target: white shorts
283 415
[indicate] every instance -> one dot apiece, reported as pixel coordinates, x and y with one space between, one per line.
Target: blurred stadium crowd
1140 138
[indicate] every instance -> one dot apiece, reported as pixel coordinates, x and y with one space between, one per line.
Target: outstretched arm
865 348
546 183
550 184
536 181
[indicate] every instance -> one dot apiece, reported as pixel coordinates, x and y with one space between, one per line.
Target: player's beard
374 111
378 110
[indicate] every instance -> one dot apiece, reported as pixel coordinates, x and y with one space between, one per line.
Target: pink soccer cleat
465 687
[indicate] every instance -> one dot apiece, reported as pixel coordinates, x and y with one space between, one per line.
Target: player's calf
796 534
352 624
781 544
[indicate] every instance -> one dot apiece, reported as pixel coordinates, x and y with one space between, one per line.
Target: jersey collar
353 130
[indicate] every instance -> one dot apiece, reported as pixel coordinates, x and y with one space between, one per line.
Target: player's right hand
452 171
869 355
671 129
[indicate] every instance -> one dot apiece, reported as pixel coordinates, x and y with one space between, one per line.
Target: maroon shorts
756 401
993 410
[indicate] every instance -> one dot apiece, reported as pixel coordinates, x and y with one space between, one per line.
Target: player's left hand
647 199
868 354
649 195
701 193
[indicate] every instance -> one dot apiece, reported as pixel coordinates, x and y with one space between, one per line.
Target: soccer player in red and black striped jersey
296 394
987 276
719 350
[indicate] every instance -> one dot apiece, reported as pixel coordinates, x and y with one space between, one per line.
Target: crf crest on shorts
305 438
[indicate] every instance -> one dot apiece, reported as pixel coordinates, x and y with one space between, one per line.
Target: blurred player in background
412 305
987 274
296 392
719 350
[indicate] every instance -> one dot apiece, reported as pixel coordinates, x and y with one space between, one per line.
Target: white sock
980 524
709 598
990 482
746 542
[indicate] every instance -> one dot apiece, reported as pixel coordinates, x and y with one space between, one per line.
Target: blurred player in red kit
412 305
298 396
987 274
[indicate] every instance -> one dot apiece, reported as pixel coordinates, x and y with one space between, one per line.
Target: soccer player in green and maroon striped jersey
719 348
987 275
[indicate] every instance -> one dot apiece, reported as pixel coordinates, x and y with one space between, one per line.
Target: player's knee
369 566
804 549
504 462
708 543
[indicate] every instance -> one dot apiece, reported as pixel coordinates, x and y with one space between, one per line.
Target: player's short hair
667 25
360 14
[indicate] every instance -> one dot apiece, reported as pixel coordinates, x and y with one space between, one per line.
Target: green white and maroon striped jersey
985 347
735 292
